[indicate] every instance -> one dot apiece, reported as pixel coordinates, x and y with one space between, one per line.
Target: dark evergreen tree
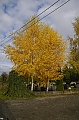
17 86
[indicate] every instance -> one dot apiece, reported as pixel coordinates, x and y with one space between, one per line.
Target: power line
38 20
42 18
31 20
48 14
55 9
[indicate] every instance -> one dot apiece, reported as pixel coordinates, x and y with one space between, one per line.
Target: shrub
17 87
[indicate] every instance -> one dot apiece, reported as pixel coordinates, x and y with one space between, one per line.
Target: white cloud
4 69
14 13
5 64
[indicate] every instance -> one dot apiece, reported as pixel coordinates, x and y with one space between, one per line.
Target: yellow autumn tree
74 46
38 51
52 56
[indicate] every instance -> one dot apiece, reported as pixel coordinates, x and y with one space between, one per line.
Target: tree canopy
74 46
37 51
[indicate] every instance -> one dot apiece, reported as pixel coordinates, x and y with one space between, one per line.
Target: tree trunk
32 84
47 85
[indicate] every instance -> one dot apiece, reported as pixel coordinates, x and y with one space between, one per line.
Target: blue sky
13 13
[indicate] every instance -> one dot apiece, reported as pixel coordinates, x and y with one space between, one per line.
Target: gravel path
51 108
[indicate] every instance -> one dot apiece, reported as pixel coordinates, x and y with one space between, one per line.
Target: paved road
2 116
50 108
5 113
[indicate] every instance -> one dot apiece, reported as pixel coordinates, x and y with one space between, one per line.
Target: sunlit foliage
37 51
74 46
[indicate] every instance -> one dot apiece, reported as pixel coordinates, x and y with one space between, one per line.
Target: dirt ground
51 108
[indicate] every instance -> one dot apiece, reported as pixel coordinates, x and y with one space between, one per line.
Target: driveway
62 107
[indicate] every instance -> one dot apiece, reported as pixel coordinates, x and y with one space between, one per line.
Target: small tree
4 77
